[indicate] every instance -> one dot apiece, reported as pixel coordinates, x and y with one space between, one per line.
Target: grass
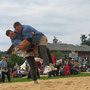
46 78
57 77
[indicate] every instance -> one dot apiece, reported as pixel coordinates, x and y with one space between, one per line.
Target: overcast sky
65 19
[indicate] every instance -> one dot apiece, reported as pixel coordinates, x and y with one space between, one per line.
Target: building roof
68 47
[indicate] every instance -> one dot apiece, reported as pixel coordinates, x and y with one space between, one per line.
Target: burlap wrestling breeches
42 41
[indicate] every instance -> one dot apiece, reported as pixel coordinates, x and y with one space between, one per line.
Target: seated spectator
76 59
88 69
62 71
13 74
54 71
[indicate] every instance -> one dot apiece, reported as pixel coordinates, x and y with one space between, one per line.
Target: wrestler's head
11 34
18 27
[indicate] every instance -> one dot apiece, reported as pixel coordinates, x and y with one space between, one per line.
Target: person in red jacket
54 59
67 70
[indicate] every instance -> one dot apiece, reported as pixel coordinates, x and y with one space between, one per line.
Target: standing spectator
3 64
54 59
67 70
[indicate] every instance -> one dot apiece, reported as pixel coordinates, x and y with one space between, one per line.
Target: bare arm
26 42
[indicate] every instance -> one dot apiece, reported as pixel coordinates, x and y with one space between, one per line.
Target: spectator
67 70
3 65
54 59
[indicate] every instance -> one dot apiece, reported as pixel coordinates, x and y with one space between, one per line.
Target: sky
65 19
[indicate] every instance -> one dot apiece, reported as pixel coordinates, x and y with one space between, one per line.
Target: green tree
85 40
15 59
1 55
58 54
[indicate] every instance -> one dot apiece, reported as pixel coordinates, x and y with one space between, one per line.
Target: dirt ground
79 83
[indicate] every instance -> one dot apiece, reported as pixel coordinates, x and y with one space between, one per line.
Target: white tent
23 66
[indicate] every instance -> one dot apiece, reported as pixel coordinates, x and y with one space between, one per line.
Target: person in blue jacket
3 64
16 40
38 39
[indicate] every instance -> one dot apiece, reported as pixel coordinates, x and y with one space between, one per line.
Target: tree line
13 59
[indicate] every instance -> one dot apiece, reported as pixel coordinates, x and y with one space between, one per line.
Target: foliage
46 78
15 59
85 40
0 55
89 61
58 54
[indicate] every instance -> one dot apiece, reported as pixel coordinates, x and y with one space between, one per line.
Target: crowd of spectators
66 66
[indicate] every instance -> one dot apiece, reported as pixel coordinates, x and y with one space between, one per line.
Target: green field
24 79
